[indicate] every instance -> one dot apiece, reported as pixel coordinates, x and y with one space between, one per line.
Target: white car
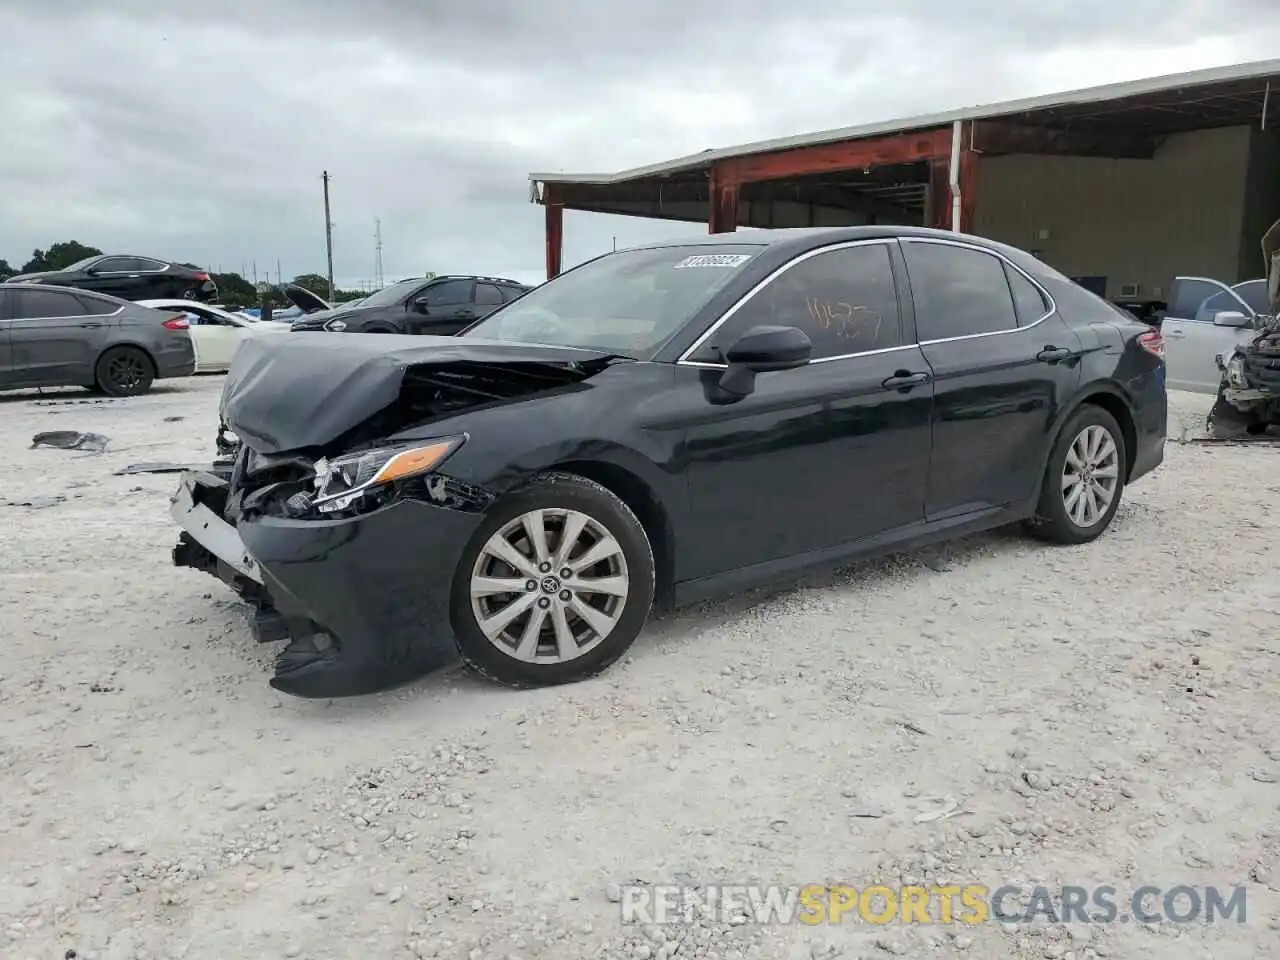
1204 324
215 332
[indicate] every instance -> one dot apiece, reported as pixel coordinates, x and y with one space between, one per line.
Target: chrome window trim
1048 297
684 361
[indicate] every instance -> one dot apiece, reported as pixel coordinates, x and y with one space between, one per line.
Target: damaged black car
656 426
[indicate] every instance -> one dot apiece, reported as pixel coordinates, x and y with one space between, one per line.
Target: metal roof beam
996 137
826 158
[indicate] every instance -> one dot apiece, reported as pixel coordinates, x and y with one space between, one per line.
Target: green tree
234 290
6 271
315 283
59 256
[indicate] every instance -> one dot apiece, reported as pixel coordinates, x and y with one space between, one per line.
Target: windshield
392 294
627 303
81 264
1254 293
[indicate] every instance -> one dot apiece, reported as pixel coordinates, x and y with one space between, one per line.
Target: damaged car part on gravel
1248 401
71 440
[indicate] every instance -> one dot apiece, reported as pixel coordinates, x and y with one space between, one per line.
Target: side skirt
911 537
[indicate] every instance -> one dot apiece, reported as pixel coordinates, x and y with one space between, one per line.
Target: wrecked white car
1249 392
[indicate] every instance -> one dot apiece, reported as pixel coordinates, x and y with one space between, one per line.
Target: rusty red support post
937 213
555 236
722 216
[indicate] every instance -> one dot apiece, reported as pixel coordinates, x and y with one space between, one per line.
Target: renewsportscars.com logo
970 904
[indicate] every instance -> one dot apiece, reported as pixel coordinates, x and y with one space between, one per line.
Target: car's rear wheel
1084 479
555 586
124 372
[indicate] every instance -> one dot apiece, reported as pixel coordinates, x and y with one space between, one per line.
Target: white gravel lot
159 800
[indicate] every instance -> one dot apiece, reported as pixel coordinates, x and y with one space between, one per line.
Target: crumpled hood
296 392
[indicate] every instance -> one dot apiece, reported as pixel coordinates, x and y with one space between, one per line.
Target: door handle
904 381
1053 354
86 326
1176 334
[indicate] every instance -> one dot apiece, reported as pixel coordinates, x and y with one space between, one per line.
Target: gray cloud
200 133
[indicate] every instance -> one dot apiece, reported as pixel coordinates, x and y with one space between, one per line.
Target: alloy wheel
1090 475
126 372
549 586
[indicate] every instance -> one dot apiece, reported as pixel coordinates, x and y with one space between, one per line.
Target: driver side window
844 299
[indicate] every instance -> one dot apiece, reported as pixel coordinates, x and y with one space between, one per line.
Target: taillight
1153 342
202 277
176 323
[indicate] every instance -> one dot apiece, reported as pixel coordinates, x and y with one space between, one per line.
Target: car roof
796 240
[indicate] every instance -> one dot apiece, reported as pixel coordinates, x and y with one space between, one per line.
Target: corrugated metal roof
1260 69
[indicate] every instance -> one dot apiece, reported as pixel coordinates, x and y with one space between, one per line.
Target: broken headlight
341 481
1235 373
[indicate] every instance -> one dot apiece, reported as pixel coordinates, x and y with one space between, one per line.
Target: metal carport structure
921 170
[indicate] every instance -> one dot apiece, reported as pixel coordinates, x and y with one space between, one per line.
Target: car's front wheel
1083 479
555 585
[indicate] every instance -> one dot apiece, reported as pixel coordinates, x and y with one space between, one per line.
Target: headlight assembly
1235 373
342 481
337 326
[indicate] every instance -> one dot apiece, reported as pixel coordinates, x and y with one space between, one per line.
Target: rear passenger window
843 299
487 294
96 306
1028 301
40 304
958 291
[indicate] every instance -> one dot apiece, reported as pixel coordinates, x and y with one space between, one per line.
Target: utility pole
255 273
279 275
377 260
328 231
615 244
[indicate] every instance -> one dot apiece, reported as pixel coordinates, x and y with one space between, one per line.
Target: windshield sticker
714 260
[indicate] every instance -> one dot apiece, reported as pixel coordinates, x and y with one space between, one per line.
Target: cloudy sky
199 131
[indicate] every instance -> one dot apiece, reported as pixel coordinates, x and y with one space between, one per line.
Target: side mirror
92 272
760 350
1231 318
421 304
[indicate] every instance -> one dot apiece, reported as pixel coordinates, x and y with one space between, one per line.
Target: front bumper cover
364 601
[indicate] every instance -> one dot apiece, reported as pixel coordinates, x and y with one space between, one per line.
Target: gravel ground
1101 714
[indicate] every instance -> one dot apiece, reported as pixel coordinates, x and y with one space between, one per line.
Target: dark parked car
673 422
440 306
131 278
62 337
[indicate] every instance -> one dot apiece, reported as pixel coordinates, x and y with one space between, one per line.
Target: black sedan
435 306
660 424
131 278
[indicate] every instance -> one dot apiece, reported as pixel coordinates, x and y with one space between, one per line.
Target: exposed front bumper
376 586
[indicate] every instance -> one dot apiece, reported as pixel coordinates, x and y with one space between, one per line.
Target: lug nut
566 573
531 585
544 568
566 596
544 603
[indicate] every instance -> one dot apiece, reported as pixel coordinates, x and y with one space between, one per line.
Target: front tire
555 585
1083 480
124 372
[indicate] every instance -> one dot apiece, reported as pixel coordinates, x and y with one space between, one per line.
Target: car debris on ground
71 440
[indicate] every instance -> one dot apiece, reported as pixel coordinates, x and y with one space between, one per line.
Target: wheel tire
556 491
124 372
1052 522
